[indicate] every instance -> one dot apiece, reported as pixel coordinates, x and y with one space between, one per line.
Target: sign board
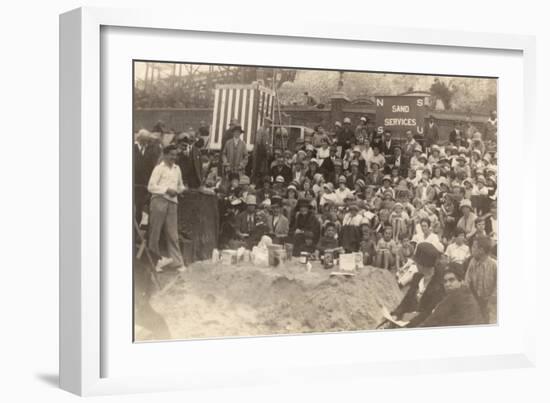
399 114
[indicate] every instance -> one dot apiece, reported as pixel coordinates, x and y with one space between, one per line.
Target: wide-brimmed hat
276 200
244 180
466 203
250 200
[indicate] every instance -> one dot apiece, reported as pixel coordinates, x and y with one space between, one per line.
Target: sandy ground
242 300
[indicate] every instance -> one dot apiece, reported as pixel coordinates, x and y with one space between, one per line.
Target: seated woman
425 289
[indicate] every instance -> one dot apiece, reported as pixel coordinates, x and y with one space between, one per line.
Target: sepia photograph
272 200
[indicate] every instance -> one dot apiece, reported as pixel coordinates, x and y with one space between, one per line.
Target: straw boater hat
342 179
466 203
291 187
386 178
250 200
357 149
280 179
244 180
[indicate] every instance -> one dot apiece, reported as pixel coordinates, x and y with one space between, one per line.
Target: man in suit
263 149
146 155
190 164
234 155
355 174
281 169
386 147
278 227
431 133
397 160
455 136
249 226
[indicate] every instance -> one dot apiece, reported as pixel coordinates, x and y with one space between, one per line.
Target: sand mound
243 300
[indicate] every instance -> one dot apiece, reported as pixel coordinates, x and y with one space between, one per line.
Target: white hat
250 200
347 120
280 179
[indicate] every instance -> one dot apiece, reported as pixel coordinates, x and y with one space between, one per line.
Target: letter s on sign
419 102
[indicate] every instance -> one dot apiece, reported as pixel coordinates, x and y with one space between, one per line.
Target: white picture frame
83 342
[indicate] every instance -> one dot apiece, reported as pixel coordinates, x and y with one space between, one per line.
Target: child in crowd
386 249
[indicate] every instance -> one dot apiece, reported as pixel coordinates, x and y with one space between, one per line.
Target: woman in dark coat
304 222
426 288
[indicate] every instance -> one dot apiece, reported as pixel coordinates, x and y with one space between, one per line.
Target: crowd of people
424 208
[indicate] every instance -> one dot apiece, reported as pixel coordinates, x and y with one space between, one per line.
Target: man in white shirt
164 185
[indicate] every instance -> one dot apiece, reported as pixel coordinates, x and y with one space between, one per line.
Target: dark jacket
458 308
306 223
144 163
281 170
432 296
191 167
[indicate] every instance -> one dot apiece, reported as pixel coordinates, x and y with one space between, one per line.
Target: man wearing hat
355 175
304 222
410 144
425 289
263 150
190 163
281 169
246 223
346 135
279 226
361 131
455 136
228 134
431 135
386 147
396 160
234 154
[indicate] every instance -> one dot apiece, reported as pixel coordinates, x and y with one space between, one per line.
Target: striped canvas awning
247 103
